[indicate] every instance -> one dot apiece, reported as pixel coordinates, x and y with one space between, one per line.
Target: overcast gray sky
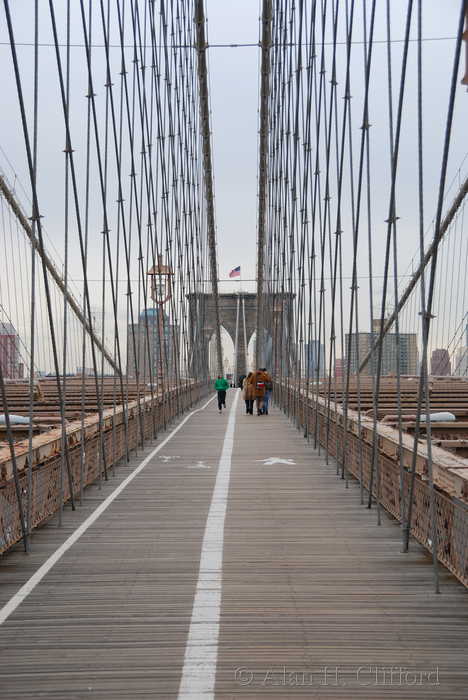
234 78
234 88
234 98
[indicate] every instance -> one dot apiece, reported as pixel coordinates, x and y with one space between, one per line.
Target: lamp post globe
160 293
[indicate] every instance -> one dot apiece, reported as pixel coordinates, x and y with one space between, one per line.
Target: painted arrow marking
275 460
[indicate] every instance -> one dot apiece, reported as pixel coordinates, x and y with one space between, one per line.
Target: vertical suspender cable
33 287
426 315
65 276
36 217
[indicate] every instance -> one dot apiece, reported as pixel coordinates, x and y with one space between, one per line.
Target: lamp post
160 293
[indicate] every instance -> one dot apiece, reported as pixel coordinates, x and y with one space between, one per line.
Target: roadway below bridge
227 560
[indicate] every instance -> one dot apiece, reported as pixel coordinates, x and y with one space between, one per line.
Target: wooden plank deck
312 589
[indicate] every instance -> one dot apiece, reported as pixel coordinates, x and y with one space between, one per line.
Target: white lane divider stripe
37 577
201 652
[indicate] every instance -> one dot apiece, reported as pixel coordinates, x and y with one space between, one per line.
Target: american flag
235 272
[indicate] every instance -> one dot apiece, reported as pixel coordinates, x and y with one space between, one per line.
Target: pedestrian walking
257 380
268 390
241 381
247 394
221 386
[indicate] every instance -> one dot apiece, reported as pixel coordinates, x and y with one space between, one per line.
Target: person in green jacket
221 385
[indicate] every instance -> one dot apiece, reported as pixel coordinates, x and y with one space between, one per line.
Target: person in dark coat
268 388
241 381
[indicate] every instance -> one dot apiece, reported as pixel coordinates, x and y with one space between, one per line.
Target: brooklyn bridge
192 188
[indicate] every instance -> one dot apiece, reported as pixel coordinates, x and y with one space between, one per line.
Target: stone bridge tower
228 304
276 345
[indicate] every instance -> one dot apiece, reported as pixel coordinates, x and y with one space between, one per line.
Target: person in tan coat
257 381
247 394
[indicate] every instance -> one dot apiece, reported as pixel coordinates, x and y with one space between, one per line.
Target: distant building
340 368
461 362
361 345
282 358
315 358
213 361
267 351
88 372
9 352
440 363
143 345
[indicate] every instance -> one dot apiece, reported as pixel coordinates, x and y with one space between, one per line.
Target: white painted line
201 652
18 598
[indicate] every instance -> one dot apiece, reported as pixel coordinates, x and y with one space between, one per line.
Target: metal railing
46 476
451 493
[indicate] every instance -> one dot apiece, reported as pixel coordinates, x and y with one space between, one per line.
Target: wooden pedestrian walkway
234 564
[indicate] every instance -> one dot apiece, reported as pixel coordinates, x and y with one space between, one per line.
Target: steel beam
201 46
54 273
263 166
